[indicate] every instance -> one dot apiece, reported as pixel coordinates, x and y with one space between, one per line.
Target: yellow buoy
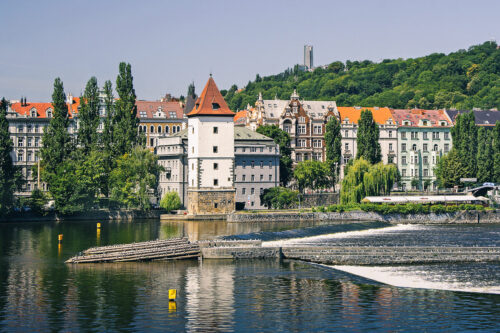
60 237
172 306
172 293
98 226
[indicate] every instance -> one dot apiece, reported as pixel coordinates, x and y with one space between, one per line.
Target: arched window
33 113
152 129
166 129
159 129
178 128
435 147
49 113
173 129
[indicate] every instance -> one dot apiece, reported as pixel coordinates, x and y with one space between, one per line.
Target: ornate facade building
305 121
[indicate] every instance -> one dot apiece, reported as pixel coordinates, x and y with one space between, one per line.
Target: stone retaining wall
458 217
100 215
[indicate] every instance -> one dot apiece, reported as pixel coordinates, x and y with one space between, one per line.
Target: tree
56 142
363 179
125 122
367 139
107 136
485 167
135 178
464 135
311 174
333 142
171 201
449 169
10 176
37 202
89 116
496 151
415 183
191 90
279 198
281 138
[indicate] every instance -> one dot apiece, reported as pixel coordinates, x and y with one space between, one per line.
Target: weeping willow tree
363 179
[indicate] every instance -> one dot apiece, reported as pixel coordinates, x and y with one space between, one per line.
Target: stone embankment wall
100 215
458 217
319 199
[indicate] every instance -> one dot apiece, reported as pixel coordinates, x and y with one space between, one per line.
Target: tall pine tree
333 148
56 141
367 138
89 116
464 135
9 174
125 122
107 136
484 156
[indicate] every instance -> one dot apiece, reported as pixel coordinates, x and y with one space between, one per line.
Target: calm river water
38 292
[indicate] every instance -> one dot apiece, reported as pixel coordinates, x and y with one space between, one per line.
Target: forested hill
463 80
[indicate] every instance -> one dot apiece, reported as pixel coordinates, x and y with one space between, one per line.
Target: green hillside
463 80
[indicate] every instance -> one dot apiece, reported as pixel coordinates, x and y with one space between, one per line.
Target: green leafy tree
363 179
496 151
312 175
415 183
10 176
367 138
171 201
485 162
37 202
56 141
333 142
449 169
107 137
125 122
279 198
465 142
135 178
281 138
89 116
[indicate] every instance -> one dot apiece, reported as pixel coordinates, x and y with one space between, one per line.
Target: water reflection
38 292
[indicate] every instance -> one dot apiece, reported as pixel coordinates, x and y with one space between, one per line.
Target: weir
181 248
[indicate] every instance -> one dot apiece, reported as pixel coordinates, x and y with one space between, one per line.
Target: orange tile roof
380 115
415 115
240 114
150 107
41 108
209 98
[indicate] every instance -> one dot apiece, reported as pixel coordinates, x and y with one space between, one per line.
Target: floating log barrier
170 249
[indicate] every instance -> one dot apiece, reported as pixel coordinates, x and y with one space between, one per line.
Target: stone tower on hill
210 154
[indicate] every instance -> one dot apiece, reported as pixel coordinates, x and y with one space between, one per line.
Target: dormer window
197 105
49 114
215 106
33 113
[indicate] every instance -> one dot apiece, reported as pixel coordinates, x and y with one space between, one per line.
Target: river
38 292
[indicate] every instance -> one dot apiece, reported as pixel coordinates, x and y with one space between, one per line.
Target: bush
170 201
279 198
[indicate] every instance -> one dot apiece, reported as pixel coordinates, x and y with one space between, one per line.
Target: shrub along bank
409 208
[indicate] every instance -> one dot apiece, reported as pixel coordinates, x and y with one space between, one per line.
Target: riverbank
488 216
100 215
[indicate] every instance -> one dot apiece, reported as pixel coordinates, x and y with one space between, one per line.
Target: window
346 160
49 114
302 129
390 159
216 166
216 130
425 135
446 135
20 142
318 129
261 177
346 147
317 143
425 147
215 106
403 135
302 120
216 205
36 156
261 164
20 156
390 146
435 135
29 142
390 134
299 157
261 149
414 135
252 164
192 149
37 141
244 177
301 143
159 129
143 114
36 128
287 128
252 178
414 147
270 178
244 163
317 156
446 147
252 190
171 114
346 133
216 182
403 172
403 160
215 149
426 160
151 142
20 128
270 164
28 128
29 156
243 190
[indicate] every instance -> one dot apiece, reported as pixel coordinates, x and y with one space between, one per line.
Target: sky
170 44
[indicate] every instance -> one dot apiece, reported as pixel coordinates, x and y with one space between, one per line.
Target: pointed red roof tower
211 102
